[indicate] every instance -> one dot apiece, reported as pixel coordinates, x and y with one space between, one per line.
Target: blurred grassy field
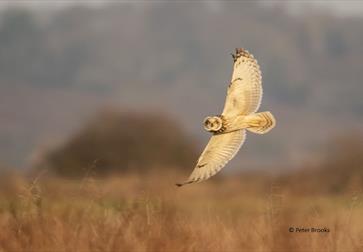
148 213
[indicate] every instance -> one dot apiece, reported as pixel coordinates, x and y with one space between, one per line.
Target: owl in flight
239 114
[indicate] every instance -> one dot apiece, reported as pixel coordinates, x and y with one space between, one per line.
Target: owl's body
239 114
259 123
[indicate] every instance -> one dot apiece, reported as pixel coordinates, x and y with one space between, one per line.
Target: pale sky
342 8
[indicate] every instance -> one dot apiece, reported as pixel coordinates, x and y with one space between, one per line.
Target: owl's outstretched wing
245 91
220 149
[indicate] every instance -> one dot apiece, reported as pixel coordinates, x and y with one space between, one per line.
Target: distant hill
56 70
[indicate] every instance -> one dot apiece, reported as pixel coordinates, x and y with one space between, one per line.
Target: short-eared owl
239 114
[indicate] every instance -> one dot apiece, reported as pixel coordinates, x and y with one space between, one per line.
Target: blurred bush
339 170
122 142
343 163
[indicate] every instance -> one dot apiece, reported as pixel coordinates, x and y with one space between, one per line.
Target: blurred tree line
31 55
115 142
339 170
308 60
170 53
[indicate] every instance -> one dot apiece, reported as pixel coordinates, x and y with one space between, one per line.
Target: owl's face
213 123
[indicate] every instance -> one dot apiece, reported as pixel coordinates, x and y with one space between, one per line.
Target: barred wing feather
245 91
220 149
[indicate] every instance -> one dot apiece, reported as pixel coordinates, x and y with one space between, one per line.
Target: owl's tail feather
261 123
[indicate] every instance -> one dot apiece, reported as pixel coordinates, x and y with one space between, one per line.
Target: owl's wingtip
233 56
184 183
238 53
241 52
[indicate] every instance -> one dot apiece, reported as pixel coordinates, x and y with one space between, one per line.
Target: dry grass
150 214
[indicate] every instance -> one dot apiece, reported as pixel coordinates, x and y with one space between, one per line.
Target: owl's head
213 123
